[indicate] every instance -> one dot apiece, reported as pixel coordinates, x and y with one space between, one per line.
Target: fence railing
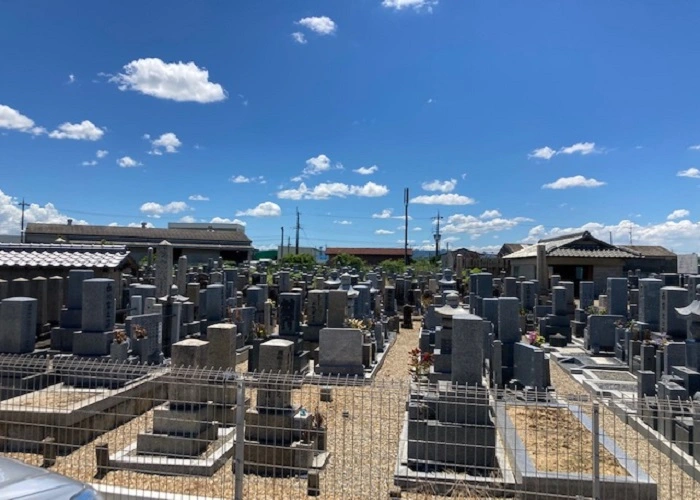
220 434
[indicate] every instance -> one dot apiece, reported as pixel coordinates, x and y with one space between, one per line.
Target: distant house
371 256
466 259
199 242
30 261
575 257
509 248
652 259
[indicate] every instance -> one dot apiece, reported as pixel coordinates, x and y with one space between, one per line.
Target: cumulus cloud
546 153
127 162
573 182
383 231
328 190
90 163
387 214
418 5
101 153
319 164
691 172
188 219
342 222
322 25
299 37
678 214
11 119
417 228
265 209
477 226
11 214
182 82
83 131
490 214
442 186
224 220
443 199
198 197
366 170
242 179
167 143
155 210
696 147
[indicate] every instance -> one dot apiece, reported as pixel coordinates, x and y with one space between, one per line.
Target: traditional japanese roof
650 250
579 245
147 234
509 248
65 256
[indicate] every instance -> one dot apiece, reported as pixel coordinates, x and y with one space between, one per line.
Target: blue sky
514 120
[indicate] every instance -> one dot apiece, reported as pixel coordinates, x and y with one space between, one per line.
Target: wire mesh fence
139 431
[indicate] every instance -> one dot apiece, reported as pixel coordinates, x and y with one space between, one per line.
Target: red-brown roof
389 252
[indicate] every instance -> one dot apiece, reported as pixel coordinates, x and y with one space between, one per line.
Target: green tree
425 265
396 266
303 260
347 260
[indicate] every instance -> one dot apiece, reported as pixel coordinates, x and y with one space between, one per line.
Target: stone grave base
73 415
606 383
534 483
279 461
368 374
206 464
443 479
20 375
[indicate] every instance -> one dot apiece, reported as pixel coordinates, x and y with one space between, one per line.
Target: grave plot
192 433
550 449
86 399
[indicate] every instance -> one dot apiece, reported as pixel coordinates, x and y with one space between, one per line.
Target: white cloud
127 162
155 210
11 119
443 199
387 214
318 164
265 209
71 78
83 131
417 228
490 214
342 222
167 143
418 5
696 147
442 186
101 153
383 231
11 214
188 219
299 37
366 170
90 163
182 82
584 148
327 190
223 220
430 101
242 179
691 172
198 197
139 224
322 25
573 182
679 236
678 214
544 153
478 226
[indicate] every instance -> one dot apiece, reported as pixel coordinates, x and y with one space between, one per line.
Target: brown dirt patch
557 442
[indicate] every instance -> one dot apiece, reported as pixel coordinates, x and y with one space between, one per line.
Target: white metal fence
221 434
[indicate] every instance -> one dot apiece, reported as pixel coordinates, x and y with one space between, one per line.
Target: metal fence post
240 437
596 450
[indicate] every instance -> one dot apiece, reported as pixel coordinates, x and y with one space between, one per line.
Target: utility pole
630 235
23 205
437 235
296 241
281 252
405 227
289 245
